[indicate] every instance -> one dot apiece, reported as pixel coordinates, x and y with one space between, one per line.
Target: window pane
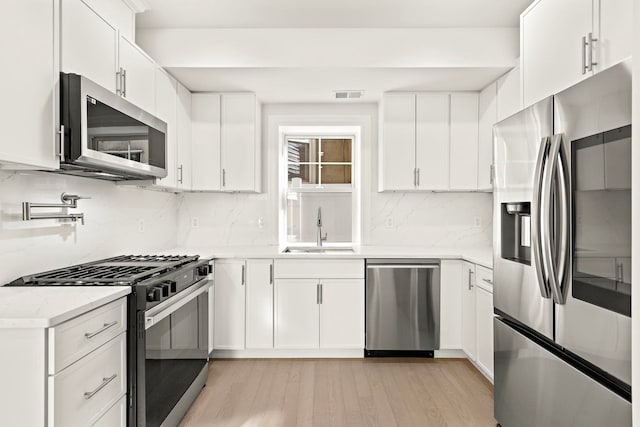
302 215
336 150
301 150
336 174
308 174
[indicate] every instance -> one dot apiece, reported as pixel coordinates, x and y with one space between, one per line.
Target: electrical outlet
476 222
141 225
260 223
195 222
388 222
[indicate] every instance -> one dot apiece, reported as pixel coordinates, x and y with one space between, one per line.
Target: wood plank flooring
343 392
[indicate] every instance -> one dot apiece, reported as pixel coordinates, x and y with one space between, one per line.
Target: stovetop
120 270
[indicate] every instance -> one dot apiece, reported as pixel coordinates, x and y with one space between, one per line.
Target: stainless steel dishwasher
402 307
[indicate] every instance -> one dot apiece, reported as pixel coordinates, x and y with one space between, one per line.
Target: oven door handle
159 312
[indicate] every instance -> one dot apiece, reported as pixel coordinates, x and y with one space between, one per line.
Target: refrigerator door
518 291
593 119
534 388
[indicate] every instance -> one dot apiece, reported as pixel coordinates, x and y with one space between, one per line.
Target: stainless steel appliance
105 136
167 348
562 257
402 307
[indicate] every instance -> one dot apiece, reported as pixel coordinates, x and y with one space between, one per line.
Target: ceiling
315 82
331 13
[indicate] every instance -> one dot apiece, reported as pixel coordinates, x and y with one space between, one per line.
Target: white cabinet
487 117
138 75
259 317
88 44
229 305
205 141
166 110
226 142
240 150
464 141
429 142
297 311
398 150
450 304
183 129
341 313
555 46
432 141
29 85
469 310
484 320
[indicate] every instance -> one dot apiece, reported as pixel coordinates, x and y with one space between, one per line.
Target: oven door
172 356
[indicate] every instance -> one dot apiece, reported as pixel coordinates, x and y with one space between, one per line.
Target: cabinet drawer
115 416
484 278
316 269
73 339
83 391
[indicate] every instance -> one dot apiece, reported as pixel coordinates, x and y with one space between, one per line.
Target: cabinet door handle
470 281
488 281
321 289
124 83
60 152
119 82
243 278
491 174
318 293
590 61
99 331
224 178
271 274
584 54
180 174
417 177
89 394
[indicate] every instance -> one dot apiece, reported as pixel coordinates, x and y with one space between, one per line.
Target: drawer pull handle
89 394
489 281
104 328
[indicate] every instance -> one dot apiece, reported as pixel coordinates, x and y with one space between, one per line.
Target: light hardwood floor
343 392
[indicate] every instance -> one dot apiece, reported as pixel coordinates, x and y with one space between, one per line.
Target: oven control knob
170 285
204 270
154 294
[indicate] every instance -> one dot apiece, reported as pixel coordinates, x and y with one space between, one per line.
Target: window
320 178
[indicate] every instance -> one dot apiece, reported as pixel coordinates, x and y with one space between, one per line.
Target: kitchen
314 177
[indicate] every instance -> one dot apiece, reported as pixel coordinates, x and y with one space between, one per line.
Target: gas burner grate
149 258
98 272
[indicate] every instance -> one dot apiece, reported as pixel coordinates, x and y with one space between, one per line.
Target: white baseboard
279 353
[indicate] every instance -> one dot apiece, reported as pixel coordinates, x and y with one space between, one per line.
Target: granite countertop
46 306
482 255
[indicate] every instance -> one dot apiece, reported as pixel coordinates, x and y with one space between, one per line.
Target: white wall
112 223
424 219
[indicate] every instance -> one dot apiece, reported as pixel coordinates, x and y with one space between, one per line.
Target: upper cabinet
28 113
183 128
508 94
166 110
430 142
226 142
487 117
563 42
137 75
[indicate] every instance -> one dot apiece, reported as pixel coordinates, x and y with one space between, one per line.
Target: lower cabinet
229 304
484 321
259 295
469 310
319 313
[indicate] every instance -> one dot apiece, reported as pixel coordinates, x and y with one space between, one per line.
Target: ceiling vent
349 94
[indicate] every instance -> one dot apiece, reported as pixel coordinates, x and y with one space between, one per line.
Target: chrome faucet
320 238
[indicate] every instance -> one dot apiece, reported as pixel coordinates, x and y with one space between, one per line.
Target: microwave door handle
563 182
536 218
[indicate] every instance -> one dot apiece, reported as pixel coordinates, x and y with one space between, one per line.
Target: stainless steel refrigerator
562 258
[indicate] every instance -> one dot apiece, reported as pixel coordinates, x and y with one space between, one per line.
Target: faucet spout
319 236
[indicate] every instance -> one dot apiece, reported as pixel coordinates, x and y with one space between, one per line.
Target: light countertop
46 306
482 255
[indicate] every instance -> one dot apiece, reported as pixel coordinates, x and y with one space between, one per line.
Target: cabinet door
297 313
508 94
432 141
615 38
484 320
138 87
398 148
205 141
238 143
29 84
551 47
259 303
487 117
229 305
342 313
183 127
88 44
450 304
464 141
165 108
469 310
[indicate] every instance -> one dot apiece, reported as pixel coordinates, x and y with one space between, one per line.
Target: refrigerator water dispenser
516 232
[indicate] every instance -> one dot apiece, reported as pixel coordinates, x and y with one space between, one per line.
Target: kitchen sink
318 250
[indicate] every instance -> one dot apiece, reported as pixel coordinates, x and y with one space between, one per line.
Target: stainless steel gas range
167 327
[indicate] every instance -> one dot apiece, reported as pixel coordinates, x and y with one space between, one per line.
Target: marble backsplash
118 220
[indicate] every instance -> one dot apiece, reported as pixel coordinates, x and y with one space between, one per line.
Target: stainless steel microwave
107 137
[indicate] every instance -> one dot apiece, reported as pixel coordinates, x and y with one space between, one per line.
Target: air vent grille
349 94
